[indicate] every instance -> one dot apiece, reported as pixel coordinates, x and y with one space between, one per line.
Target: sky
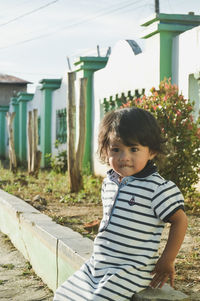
37 37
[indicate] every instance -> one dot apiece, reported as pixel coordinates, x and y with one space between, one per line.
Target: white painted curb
54 251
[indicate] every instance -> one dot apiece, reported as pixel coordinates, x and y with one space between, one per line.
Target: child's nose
124 156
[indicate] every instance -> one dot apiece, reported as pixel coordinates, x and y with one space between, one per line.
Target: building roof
9 79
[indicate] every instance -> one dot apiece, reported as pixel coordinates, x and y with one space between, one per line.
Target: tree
75 155
34 155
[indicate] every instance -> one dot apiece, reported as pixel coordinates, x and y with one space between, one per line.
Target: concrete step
166 293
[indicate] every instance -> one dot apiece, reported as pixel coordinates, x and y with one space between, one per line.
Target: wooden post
37 163
37 155
12 156
34 140
82 129
71 115
29 141
74 157
34 156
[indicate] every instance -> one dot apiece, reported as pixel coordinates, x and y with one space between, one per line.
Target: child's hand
164 268
162 271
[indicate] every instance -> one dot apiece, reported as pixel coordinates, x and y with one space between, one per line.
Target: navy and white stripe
125 249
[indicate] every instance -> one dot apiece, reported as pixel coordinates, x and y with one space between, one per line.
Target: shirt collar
148 170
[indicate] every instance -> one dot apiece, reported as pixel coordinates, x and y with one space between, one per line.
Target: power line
31 73
81 22
10 7
28 13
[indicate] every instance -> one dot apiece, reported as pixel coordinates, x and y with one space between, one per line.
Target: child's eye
134 149
115 149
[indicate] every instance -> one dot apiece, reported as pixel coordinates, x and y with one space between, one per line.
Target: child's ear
153 154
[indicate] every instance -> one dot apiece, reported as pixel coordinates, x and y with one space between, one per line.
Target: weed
28 270
192 203
8 266
48 190
67 221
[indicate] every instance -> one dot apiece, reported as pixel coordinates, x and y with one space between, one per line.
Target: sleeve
167 200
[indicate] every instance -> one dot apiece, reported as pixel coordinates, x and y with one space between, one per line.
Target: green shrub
58 162
175 116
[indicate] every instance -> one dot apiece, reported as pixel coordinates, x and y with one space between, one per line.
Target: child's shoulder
156 182
154 179
163 186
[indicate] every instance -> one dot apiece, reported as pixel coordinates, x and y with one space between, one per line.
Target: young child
137 202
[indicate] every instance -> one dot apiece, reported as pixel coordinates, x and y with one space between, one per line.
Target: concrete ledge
166 293
54 251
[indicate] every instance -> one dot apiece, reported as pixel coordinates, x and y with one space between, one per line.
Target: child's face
128 160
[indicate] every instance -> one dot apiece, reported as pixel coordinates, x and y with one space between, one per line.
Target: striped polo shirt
125 249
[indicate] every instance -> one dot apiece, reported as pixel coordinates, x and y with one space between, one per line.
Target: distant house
9 87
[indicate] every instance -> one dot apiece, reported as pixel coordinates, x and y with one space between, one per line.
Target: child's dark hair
131 125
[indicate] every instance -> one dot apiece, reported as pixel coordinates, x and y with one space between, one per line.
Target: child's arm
164 268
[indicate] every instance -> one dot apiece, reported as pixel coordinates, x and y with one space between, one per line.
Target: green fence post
48 86
168 26
22 99
15 105
88 65
3 129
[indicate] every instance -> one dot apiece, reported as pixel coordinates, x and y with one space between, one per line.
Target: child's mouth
126 166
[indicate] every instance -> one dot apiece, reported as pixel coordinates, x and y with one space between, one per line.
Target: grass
8 266
28 270
67 220
50 194
48 183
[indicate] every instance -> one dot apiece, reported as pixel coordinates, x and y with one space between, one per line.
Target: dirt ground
18 282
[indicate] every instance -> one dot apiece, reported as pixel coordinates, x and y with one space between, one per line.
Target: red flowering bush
175 116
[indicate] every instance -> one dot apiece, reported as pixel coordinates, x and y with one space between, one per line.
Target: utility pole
157 7
68 62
